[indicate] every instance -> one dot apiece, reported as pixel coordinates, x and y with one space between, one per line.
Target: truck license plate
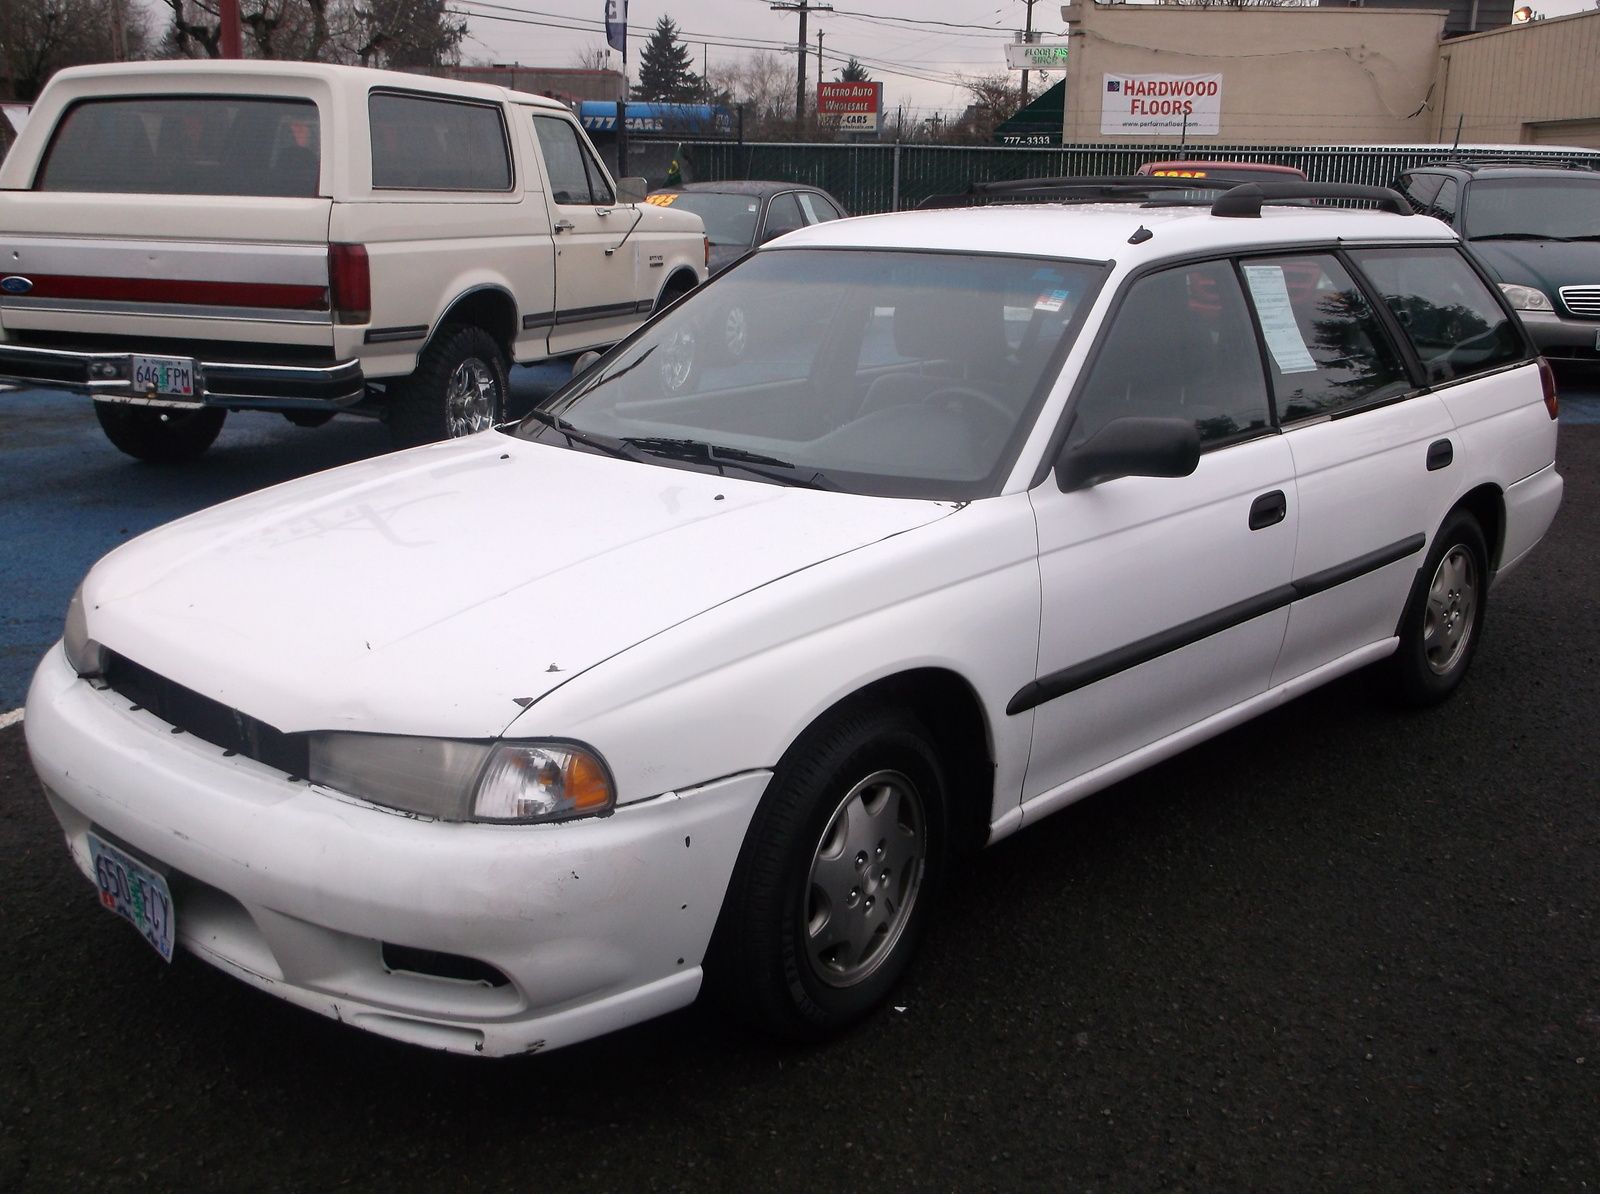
136 893
169 377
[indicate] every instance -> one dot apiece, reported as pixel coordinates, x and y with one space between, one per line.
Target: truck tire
157 434
459 388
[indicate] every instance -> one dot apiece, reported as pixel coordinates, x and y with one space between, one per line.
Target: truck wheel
160 435
459 388
309 418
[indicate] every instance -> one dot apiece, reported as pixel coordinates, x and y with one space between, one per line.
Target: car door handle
1440 454
1268 510
565 225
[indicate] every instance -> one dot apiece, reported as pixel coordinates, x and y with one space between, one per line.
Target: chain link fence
877 178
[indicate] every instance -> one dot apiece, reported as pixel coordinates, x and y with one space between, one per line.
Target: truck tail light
1547 378
706 240
349 283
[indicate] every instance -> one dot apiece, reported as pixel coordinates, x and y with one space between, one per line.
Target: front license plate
136 893
169 377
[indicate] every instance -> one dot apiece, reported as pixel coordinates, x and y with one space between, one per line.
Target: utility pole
1027 36
232 42
802 7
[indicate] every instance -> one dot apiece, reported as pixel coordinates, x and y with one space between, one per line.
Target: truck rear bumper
108 377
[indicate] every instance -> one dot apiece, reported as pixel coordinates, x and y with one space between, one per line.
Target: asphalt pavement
1339 948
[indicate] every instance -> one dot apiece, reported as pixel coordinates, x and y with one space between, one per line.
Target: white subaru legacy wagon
704 673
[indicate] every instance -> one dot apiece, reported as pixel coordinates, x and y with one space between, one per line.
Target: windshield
729 219
1552 208
892 373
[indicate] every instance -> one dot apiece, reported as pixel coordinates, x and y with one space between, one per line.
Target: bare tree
39 37
763 86
593 58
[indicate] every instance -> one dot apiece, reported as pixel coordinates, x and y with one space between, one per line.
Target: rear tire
1443 620
838 871
459 388
158 434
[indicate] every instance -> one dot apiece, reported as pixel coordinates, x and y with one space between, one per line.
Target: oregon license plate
136 893
169 377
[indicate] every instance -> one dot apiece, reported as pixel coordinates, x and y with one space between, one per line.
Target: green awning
1039 123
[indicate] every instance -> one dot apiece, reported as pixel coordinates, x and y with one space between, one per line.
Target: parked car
183 239
708 671
741 215
1535 224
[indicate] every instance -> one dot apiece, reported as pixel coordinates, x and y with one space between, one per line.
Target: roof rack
1471 162
1237 199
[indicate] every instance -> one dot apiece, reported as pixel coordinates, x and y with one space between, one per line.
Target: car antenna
1143 234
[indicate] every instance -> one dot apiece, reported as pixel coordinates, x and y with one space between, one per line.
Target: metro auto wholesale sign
850 105
1161 105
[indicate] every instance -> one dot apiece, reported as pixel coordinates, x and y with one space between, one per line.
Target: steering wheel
970 398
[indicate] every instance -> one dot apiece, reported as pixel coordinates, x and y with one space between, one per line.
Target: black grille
210 721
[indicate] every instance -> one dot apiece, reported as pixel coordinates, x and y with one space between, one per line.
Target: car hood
441 590
1546 264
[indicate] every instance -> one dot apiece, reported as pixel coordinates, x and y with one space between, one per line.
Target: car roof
1511 169
1255 167
1102 231
755 187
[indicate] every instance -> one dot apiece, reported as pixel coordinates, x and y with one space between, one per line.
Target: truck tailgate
166 267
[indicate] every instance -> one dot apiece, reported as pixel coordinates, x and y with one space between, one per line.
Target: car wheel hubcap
865 875
677 360
1452 608
734 332
471 398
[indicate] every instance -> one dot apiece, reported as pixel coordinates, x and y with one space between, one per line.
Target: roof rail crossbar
1552 162
1245 200
1088 187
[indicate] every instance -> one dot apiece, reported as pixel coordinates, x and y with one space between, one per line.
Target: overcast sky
902 42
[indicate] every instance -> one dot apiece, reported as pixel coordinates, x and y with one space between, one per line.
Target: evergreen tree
854 72
664 73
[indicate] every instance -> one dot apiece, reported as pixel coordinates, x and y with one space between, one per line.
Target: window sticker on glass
1051 300
1271 295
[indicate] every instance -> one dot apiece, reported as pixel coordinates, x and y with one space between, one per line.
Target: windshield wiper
717 455
617 448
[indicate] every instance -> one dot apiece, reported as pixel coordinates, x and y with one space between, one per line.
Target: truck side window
575 177
429 144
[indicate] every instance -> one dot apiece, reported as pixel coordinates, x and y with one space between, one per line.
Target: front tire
458 389
160 434
832 890
1443 621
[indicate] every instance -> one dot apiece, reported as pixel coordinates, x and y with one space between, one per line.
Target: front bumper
108 377
1562 338
593 924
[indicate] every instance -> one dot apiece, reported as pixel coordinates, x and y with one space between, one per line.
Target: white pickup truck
182 239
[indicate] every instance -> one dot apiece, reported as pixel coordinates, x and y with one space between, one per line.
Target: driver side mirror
1130 447
632 190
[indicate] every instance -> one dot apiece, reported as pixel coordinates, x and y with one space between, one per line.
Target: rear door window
186 145
1444 308
424 143
783 215
1327 351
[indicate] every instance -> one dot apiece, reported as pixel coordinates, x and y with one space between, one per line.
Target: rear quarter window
424 143
1444 308
186 145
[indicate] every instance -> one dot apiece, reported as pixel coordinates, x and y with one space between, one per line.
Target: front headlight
1526 298
466 781
85 655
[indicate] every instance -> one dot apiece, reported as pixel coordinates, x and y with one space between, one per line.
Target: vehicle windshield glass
729 219
912 374
1558 208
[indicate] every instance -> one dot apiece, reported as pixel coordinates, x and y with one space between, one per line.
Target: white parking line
10 719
